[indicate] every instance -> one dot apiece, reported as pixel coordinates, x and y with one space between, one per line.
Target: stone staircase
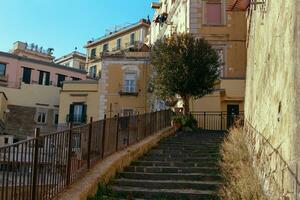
183 166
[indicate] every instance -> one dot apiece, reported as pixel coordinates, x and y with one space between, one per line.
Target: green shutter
84 113
41 78
47 78
71 113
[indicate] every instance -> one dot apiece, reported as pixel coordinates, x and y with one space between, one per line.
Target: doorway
232 113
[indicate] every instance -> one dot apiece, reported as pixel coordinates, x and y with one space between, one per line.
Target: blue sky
65 24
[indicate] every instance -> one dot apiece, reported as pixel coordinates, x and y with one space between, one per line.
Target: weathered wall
270 110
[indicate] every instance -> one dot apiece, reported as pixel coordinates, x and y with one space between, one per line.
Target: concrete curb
107 169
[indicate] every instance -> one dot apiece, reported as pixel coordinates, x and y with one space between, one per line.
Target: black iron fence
217 120
42 167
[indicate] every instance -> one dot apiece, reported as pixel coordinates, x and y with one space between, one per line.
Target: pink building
32 82
32 65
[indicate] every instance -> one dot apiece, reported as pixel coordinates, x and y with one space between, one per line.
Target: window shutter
71 113
41 77
84 108
47 78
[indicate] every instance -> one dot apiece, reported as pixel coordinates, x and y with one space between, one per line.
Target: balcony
126 90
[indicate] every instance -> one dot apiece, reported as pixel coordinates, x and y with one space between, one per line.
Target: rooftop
70 55
117 31
50 64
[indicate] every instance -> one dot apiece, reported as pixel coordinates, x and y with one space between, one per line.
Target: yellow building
223 24
122 89
119 72
116 40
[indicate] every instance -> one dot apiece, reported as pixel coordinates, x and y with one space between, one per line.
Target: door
232 113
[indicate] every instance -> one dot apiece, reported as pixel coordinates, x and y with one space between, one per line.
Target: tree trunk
186 105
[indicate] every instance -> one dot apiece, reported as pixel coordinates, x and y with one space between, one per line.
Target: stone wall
270 107
21 121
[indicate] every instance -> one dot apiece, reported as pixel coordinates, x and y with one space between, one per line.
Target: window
130 82
105 47
44 78
77 113
67 64
127 112
132 36
5 140
93 53
92 71
82 66
2 69
118 43
26 75
60 78
213 13
41 116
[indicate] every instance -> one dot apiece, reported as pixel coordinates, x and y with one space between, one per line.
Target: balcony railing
129 90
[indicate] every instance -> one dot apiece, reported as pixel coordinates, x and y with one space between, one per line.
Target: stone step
202 163
167 184
181 153
181 159
176 151
210 170
170 176
199 148
179 194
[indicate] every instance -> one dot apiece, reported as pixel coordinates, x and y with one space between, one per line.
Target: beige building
119 72
31 81
272 107
223 24
129 37
74 60
122 89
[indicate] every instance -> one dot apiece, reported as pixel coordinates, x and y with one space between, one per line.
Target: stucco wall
84 92
14 70
270 110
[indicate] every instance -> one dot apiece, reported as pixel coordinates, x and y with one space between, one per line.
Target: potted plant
176 122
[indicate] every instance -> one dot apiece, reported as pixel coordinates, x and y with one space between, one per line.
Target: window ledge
122 93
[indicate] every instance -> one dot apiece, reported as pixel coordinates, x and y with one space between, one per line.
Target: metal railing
42 167
217 120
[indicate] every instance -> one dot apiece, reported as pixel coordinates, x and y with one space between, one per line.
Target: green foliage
177 119
189 121
184 66
186 121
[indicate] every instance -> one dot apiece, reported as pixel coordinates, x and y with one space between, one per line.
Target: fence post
204 120
35 163
69 154
137 126
89 143
128 131
117 136
103 136
221 120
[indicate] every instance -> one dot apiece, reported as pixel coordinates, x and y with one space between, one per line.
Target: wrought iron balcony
126 90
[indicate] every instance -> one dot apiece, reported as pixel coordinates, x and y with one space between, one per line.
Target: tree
184 66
